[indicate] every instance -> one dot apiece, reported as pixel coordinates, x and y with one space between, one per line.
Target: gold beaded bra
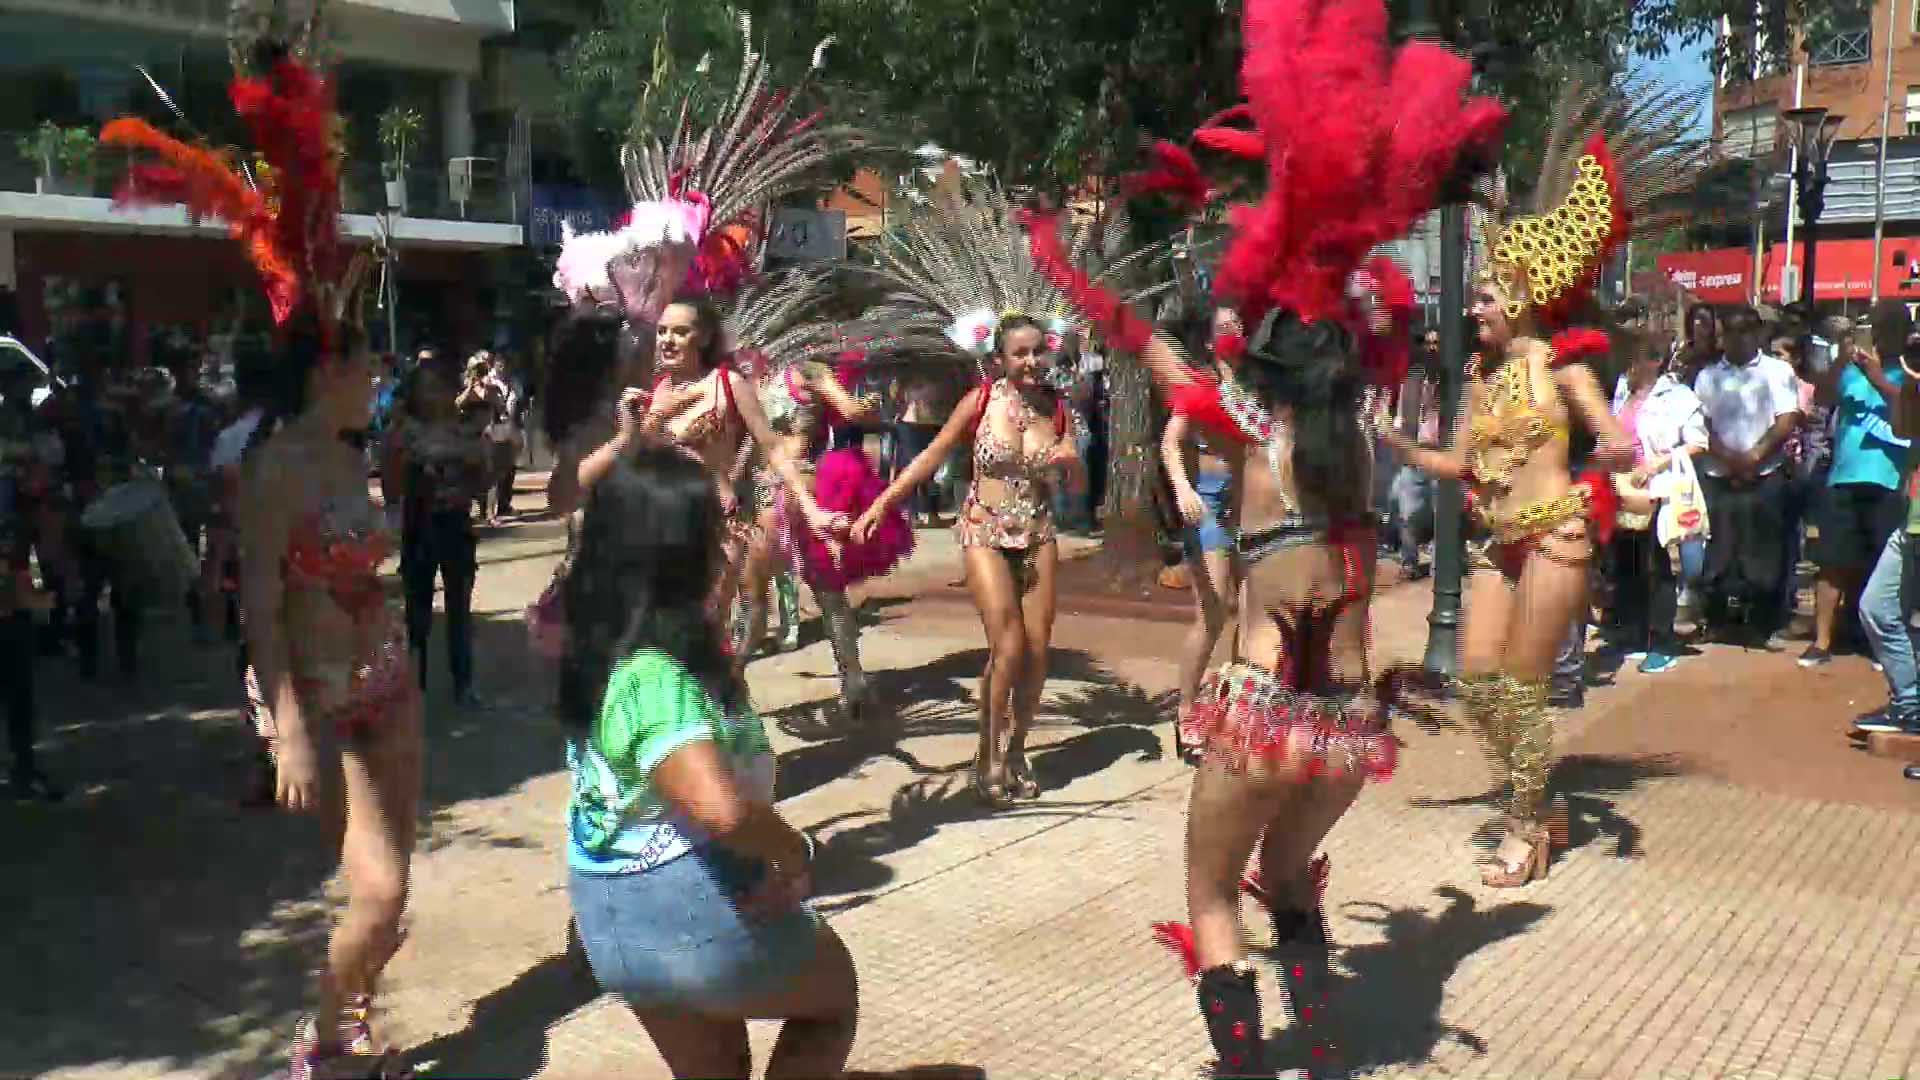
1507 426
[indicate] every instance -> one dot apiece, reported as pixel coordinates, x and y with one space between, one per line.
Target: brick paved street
1704 925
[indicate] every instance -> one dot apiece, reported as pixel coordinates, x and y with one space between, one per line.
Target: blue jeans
1883 615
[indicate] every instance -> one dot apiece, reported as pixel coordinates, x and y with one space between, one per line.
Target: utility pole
1880 170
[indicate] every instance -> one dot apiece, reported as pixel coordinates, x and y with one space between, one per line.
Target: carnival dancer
331 682
964 293
1292 728
1022 448
685 251
809 404
1202 481
1525 389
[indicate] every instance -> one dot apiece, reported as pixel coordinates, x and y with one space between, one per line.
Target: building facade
87 283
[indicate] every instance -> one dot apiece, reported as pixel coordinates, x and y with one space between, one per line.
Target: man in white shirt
1752 403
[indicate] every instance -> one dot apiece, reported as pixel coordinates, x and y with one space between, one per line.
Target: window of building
1751 132
1913 103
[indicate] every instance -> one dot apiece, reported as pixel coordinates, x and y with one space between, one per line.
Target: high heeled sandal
994 795
1559 822
1021 783
1531 868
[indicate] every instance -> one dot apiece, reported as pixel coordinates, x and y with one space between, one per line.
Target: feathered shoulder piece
699 219
1616 151
283 205
777 323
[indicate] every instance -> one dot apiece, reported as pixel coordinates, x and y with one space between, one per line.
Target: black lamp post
1812 133
1449 509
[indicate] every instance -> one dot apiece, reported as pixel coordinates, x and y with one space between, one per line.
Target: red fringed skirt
1245 718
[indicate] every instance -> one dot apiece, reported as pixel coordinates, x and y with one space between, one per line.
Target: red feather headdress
1359 140
285 212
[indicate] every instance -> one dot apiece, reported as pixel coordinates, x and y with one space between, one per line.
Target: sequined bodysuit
332 563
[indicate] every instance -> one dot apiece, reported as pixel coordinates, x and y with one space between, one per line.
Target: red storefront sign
1716 277
1844 267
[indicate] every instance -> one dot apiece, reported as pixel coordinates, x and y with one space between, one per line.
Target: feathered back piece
776 322
285 206
1384 129
1615 151
961 262
699 219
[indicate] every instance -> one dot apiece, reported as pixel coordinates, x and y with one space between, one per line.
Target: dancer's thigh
1038 605
1483 626
1226 813
381 770
990 580
1549 595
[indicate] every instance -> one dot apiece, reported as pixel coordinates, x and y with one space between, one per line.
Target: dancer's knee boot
843 633
1531 723
1230 1005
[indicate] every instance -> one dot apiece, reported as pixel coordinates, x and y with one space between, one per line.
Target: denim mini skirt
1212 485
672 935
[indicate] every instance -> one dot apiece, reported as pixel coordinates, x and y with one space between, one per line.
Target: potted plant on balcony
65 156
400 130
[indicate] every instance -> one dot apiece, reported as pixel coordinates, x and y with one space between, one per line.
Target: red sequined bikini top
339 549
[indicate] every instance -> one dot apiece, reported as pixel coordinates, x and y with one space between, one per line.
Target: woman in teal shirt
688 887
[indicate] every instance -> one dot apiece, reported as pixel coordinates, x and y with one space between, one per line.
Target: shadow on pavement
177 929
1585 781
1387 1012
507 1034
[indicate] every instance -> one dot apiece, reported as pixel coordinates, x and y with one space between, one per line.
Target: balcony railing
491 198
1843 47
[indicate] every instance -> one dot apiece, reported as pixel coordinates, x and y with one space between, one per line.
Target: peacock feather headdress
701 197
961 261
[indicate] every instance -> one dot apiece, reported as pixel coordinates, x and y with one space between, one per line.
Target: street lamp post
1814 129
1449 509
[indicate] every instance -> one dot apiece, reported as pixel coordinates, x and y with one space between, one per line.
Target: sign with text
584 209
808 235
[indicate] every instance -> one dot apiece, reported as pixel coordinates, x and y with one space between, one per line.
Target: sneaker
1815 656
1887 721
1655 663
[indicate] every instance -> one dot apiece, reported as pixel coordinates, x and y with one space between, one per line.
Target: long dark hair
580 366
649 552
281 385
1308 369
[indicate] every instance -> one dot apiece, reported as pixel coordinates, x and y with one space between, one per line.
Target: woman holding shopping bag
1664 420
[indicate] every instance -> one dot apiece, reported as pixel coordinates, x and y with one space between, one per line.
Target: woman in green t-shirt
688 887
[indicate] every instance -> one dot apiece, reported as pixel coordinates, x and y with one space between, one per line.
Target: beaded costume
1389 126
1615 151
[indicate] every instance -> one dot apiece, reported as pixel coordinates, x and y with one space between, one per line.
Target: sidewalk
1699 928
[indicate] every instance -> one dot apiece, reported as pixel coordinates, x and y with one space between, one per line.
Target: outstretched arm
1449 462
957 427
